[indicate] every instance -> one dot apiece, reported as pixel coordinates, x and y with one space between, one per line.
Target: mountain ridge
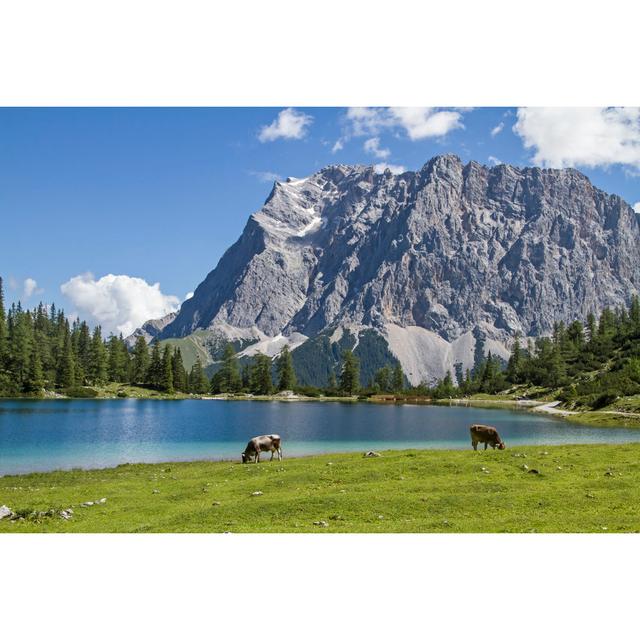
427 259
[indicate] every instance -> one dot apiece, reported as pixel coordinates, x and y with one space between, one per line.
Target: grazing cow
488 435
262 443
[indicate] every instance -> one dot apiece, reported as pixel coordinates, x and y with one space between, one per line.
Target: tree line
590 364
42 349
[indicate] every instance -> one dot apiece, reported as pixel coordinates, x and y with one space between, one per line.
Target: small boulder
371 454
534 471
257 493
215 503
5 512
156 491
101 501
87 504
321 523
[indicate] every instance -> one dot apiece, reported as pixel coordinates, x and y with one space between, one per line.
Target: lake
42 435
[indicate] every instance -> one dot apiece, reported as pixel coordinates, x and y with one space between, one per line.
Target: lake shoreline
600 418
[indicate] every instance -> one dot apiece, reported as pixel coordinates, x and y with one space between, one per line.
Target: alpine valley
414 267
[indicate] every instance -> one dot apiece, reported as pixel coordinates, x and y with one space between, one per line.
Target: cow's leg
279 453
474 444
272 452
485 446
257 457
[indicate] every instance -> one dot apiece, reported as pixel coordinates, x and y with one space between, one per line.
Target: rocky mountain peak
426 259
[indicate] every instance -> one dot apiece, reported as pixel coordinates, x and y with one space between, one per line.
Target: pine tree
457 367
140 361
350 374
20 344
478 354
260 379
166 378
382 379
98 358
286 372
515 361
66 365
198 382
34 383
154 372
118 359
179 373
230 381
83 352
397 380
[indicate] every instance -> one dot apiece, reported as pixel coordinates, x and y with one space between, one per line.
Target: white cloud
494 161
381 167
373 146
585 136
30 286
338 146
497 129
121 303
417 122
189 295
265 176
636 207
421 122
13 283
290 124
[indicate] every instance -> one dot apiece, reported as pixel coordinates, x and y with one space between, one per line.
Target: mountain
150 329
416 266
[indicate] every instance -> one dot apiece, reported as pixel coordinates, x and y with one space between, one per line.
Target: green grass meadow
578 488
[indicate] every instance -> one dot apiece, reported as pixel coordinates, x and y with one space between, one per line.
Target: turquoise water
59 434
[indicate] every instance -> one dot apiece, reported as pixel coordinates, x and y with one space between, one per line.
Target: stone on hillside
372 454
257 493
321 523
5 512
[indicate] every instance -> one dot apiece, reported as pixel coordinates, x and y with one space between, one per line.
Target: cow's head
501 445
245 458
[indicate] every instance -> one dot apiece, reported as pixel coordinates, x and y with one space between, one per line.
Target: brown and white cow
488 435
262 443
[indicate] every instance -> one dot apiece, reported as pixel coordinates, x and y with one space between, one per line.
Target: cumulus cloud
121 303
381 167
417 122
497 129
584 136
265 176
494 161
636 207
289 124
29 287
373 146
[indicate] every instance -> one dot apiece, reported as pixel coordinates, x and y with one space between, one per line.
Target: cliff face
423 258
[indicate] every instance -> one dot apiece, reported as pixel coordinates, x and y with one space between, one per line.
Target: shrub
603 400
81 392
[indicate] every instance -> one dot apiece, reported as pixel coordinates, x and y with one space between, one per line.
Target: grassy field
580 488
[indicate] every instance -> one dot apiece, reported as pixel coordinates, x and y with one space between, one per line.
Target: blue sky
159 194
